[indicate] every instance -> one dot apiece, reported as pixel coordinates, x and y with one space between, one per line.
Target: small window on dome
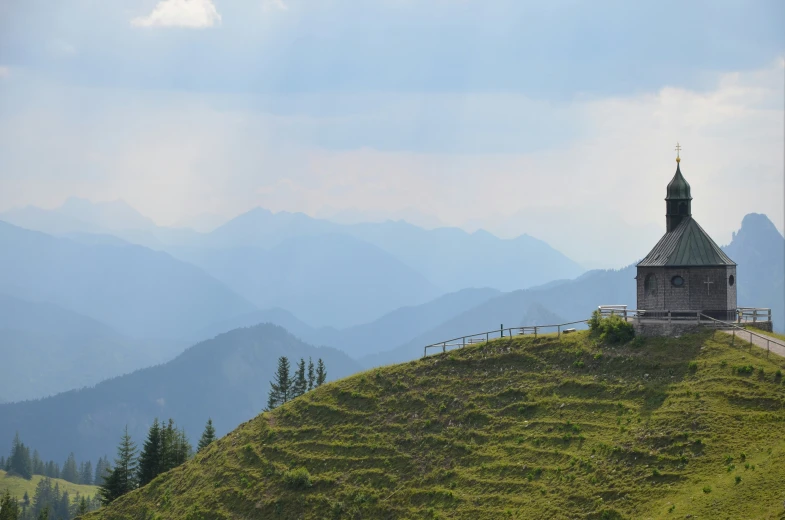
731 280
677 281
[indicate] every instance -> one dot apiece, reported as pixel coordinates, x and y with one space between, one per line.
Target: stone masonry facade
656 290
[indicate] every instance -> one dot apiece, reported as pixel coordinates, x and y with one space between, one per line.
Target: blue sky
519 117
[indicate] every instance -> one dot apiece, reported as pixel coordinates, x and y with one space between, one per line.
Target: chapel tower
686 272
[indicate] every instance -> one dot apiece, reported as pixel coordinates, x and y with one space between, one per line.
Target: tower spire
678 149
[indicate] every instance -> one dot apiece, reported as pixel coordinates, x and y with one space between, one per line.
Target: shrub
778 375
738 479
297 478
707 489
744 370
612 329
693 366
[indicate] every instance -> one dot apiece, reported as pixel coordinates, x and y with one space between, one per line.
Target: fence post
769 315
501 330
535 331
424 351
464 342
669 317
559 332
767 348
444 347
486 337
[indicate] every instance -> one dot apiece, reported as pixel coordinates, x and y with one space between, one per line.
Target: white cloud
4 72
174 154
274 5
195 14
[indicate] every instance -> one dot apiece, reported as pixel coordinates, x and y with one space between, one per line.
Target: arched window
650 285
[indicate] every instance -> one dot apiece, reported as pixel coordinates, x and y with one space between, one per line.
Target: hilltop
17 486
515 428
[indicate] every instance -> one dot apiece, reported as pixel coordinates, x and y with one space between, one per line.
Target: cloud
171 154
274 5
4 72
195 14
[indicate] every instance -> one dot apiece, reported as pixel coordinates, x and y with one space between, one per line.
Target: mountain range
225 378
47 349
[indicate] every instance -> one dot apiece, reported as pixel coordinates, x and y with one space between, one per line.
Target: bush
612 329
297 478
693 366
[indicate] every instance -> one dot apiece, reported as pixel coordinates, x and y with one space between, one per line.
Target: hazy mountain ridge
139 292
48 349
328 279
226 378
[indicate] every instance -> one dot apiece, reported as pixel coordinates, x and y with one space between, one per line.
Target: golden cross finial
678 149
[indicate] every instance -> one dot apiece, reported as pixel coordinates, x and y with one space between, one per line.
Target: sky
554 119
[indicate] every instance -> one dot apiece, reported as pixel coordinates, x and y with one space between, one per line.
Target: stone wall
693 294
659 328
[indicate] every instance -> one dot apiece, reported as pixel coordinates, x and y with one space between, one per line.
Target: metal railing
753 314
605 311
483 337
725 324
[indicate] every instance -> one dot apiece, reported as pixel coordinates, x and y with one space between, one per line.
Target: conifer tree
321 373
9 507
300 384
311 374
150 458
122 477
100 470
70 471
20 462
86 474
38 464
83 508
52 469
208 436
281 387
2 462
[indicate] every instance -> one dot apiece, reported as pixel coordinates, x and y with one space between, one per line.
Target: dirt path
775 345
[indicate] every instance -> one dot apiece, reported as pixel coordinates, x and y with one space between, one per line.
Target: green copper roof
687 245
678 187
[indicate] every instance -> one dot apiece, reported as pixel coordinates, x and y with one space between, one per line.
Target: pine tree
300 384
100 471
2 462
9 507
321 373
52 469
20 462
281 388
208 436
311 375
70 471
122 477
44 514
86 473
38 464
83 508
150 458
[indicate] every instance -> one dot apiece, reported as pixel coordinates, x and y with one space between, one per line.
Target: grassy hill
17 486
517 428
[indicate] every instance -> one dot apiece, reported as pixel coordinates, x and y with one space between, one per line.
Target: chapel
686 272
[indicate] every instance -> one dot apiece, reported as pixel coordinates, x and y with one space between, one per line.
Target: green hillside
17 486
517 428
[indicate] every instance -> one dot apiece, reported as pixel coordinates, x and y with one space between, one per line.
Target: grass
514 428
17 486
762 332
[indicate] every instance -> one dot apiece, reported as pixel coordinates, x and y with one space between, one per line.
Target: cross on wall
708 285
